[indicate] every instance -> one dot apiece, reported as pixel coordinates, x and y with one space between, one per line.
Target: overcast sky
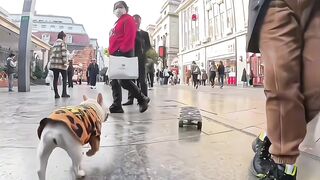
96 15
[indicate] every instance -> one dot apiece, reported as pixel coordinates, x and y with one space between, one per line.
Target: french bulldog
70 128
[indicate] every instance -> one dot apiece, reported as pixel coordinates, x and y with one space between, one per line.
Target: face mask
119 12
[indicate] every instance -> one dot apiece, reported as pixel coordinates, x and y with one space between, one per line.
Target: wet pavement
148 146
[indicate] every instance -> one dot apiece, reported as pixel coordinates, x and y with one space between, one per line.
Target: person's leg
55 82
70 79
280 45
142 99
142 79
311 65
194 79
221 80
94 82
151 79
10 81
64 83
117 97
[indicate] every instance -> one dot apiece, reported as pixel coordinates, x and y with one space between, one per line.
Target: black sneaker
143 106
280 172
261 141
262 162
116 109
65 95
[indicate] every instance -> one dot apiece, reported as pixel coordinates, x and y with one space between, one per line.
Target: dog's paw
90 152
81 174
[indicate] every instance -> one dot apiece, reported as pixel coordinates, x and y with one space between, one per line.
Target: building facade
9 42
47 27
214 31
166 32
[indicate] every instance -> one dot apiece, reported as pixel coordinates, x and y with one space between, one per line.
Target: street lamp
25 46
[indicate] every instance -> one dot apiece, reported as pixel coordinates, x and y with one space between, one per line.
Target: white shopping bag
123 68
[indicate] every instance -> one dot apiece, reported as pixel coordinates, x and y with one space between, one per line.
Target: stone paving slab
137 146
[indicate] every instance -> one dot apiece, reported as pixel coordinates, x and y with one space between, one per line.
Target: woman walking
59 64
213 73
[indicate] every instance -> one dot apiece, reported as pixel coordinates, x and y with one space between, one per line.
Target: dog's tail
55 141
51 136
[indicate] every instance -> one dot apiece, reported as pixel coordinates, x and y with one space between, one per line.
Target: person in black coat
141 47
93 72
221 72
70 72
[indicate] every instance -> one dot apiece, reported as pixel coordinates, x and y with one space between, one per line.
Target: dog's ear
100 99
85 97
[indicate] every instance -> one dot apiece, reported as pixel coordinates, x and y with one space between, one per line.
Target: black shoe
128 103
115 109
65 96
143 106
56 96
279 172
262 162
260 142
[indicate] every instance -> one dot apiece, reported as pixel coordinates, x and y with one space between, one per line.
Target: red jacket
123 35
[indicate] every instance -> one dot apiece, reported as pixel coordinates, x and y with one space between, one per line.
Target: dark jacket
93 70
142 44
257 11
221 69
70 70
150 66
244 75
10 66
195 69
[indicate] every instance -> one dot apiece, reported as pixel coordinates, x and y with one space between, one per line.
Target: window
210 22
61 27
70 28
245 11
195 26
222 17
69 38
52 27
216 21
46 38
165 26
43 26
229 16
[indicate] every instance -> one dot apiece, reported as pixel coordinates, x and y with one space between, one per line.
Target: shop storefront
224 52
187 58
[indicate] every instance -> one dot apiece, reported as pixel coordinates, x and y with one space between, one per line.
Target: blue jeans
221 77
10 81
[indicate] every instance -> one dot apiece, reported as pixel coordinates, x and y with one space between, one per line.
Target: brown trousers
290 48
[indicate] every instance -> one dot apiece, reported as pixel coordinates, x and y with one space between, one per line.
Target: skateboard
190 116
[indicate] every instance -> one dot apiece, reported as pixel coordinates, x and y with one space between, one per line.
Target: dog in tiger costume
70 128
